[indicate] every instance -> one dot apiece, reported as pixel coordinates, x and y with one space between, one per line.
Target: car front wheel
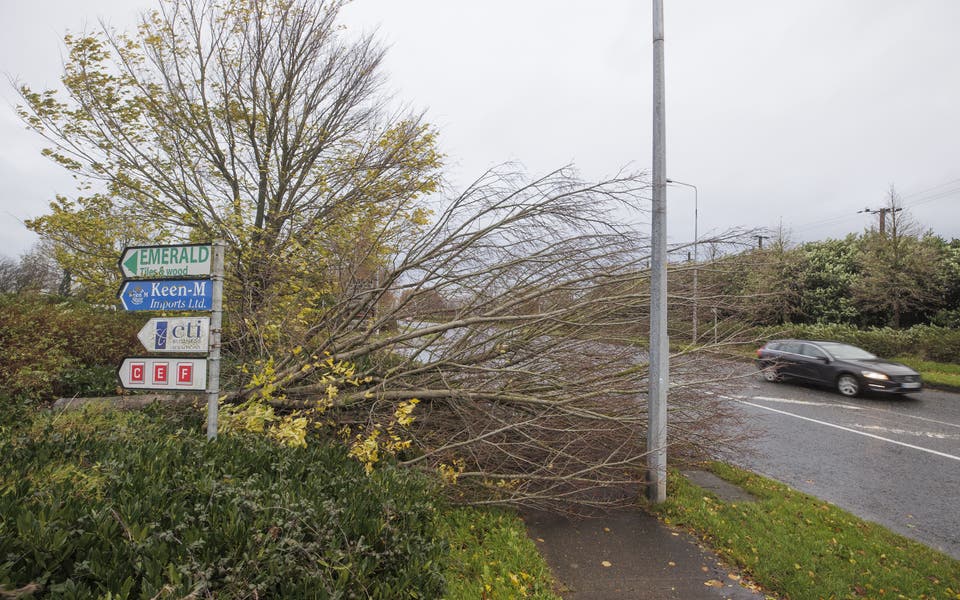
848 385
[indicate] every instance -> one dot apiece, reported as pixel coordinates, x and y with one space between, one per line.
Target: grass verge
491 557
801 547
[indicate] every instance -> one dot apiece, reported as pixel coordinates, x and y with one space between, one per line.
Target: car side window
813 351
791 347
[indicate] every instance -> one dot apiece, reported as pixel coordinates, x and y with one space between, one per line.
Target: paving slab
628 554
721 488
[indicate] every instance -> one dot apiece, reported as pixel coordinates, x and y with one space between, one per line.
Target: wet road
891 460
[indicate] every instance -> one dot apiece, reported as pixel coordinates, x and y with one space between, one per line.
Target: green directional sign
185 260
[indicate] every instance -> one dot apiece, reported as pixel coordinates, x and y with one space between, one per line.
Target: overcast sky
800 113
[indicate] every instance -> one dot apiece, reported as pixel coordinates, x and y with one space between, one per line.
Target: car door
814 364
789 359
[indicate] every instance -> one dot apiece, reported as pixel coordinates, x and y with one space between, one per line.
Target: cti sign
176 334
144 373
187 260
167 294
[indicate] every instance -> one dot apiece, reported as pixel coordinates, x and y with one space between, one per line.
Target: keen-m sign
188 260
167 294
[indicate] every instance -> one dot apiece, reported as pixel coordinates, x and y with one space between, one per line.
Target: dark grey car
848 369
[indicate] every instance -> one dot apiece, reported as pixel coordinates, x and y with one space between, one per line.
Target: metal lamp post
659 377
696 257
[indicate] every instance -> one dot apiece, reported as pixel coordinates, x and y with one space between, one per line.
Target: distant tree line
896 277
34 271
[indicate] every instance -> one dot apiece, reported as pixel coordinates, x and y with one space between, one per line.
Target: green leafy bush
947 318
140 505
87 381
53 346
924 341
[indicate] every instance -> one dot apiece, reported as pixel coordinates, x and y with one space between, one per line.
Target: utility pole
659 360
760 239
883 214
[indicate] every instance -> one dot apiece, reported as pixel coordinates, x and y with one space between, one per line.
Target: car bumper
892 387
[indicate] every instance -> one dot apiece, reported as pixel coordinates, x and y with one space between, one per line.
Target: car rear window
791 347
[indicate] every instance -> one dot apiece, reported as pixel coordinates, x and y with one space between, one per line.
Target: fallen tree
517 321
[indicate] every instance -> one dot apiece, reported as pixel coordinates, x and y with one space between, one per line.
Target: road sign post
147 286
216 322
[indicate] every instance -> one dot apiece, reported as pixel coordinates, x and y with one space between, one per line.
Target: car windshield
846 351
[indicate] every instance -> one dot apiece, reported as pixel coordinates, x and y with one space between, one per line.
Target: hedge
140 505
57 347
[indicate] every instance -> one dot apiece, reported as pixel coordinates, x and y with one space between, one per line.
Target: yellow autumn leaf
606 563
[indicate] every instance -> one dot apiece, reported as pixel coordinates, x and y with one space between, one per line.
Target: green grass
934 373
492 558
799 547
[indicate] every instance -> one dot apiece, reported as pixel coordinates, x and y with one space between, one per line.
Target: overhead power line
915 199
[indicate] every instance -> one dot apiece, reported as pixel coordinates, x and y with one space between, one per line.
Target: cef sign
148 373
186 260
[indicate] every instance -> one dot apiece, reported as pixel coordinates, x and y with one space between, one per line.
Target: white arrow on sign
176 334
146 373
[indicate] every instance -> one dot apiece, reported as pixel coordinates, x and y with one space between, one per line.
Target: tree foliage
35 271
896 277
829 269
255 122
898 268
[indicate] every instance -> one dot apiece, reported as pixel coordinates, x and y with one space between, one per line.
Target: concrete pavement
627 553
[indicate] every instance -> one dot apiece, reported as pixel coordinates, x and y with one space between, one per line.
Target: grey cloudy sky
794 112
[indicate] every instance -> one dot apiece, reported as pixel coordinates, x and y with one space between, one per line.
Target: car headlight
874 375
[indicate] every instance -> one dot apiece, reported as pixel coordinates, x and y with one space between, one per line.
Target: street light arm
696 210
696 254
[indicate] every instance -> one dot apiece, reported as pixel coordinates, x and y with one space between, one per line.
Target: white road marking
847 406
928 420
804 402
847 429
893 430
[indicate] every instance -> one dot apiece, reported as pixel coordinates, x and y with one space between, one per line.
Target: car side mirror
822 359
